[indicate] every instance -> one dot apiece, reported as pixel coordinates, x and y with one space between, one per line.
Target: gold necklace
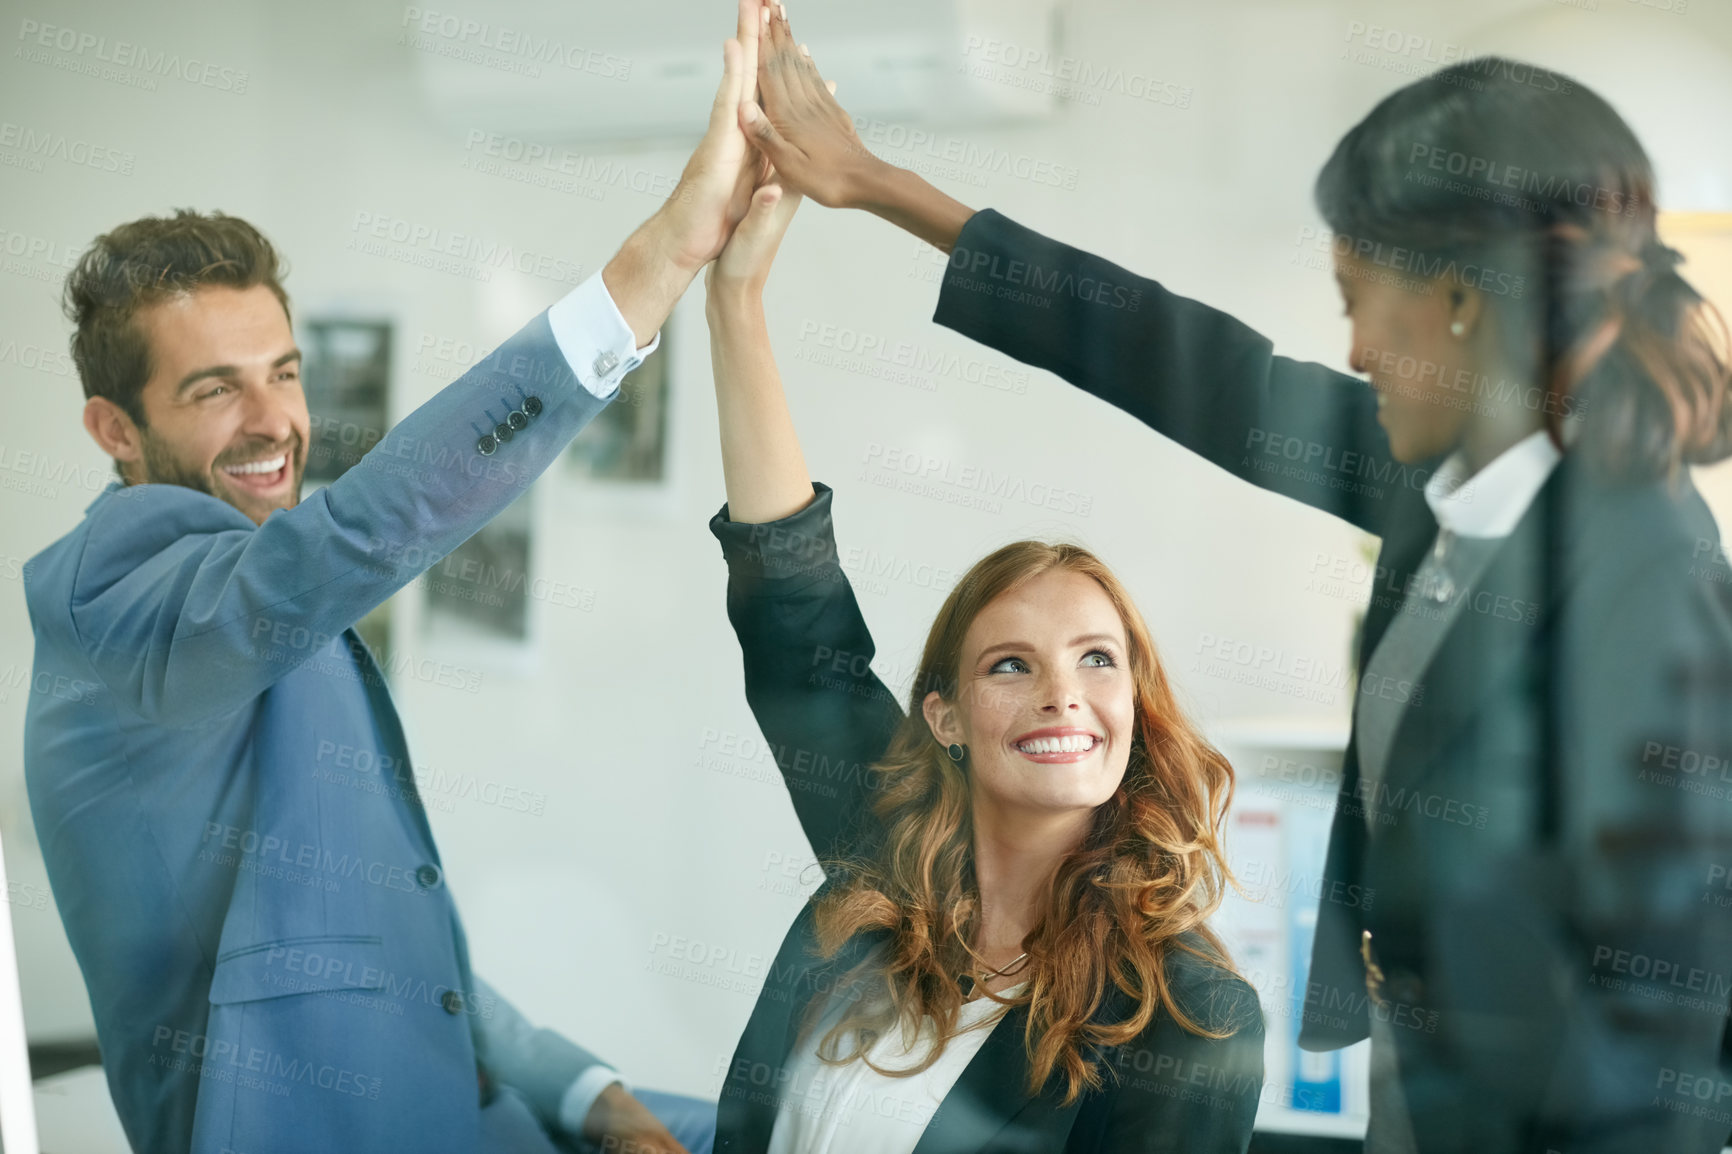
1002 972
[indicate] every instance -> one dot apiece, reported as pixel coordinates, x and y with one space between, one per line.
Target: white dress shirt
853 1109
1492 501
598 344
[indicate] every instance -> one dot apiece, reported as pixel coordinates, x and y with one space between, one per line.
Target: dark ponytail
1537 183
1657 395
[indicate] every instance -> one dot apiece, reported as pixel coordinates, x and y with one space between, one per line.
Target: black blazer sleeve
809 679
1190 372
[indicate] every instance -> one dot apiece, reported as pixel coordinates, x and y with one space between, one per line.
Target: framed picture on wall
346 377
480 591
346 373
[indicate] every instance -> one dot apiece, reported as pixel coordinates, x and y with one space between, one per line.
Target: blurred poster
1316 1074
482 587
346 374
346 378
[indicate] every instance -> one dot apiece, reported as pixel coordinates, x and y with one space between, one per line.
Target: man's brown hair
141 263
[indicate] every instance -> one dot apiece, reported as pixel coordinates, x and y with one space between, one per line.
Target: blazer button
428 875
452 1001
502 431
516 419
532 406
486 445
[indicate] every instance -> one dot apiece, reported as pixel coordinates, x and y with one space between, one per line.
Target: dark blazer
828 718
1550 909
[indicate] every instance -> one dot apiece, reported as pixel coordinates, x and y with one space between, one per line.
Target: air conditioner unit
647 72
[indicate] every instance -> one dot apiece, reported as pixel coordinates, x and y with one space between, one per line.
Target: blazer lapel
1509 612
1404 547
751 1097
812 979
985 1099
1412 528
378 692
988 1096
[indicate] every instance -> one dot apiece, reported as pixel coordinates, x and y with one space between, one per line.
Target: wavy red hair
1149 870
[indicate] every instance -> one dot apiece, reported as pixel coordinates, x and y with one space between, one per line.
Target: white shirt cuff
581 1095
598 344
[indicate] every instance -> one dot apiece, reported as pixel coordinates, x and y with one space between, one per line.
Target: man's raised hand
715 190
658 262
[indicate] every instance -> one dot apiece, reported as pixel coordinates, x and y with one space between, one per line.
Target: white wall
609 721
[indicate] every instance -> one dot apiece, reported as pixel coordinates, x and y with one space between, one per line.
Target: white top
853 1109
1492 501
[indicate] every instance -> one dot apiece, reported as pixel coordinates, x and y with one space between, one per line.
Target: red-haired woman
1010 949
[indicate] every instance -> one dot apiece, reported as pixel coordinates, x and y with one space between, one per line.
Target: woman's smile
1056 745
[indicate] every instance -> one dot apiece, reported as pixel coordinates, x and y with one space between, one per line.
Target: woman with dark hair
1545 668
1010 950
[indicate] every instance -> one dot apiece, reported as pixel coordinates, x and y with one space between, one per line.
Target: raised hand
658 261
745 262
798 125
716 187
762 467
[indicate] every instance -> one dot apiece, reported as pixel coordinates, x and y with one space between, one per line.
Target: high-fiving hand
715 189
796 122
657 263
745 261
793 123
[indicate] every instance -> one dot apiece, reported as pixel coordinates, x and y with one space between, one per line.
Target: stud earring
1459 329
956 751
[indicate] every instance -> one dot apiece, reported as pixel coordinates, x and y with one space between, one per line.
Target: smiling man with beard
274 958
220 409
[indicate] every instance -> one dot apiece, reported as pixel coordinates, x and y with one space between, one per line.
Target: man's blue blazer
273 957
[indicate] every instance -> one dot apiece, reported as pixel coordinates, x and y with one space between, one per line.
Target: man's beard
162 467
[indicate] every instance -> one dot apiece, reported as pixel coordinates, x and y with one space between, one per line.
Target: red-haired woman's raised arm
806 649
